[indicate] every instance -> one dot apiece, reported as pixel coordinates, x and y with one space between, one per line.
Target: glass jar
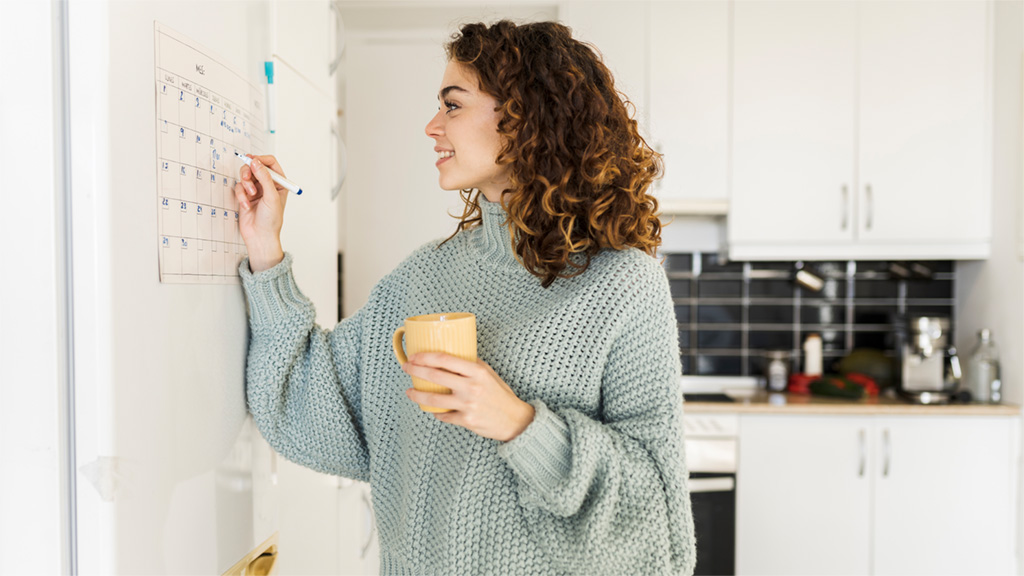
776 370
981 377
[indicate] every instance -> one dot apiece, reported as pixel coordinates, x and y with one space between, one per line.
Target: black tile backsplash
678 262
876 314
719 288
826 314
870 339
930 289
683 314
771 288
876 288
769 314
714 263
730 313
771 340
707 365
680 288
728 339
719 314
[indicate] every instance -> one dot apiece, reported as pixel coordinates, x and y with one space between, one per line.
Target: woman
563 452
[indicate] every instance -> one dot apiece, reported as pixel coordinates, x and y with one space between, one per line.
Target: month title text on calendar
205 113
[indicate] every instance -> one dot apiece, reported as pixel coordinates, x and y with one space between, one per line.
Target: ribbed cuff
272 293
542 453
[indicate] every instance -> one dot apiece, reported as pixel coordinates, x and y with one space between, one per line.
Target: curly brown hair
579 169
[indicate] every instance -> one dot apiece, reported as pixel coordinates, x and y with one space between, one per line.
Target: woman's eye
450 105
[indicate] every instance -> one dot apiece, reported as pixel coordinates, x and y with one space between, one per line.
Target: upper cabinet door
793 122
301 36
923 107
689 98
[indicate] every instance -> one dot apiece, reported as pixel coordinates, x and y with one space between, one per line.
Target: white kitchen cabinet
923 173
672 60
303 140
357 543
876 495
793 122
944 484
313 517
305 35
688 95
803 496
860 130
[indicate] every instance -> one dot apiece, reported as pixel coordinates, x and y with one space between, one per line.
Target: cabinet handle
846 207
869 200
341 156
339 39
371 530
887 445
862 440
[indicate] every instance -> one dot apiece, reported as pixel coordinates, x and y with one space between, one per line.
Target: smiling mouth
444 156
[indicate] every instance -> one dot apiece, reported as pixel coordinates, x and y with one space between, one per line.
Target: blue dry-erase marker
268 69
292 186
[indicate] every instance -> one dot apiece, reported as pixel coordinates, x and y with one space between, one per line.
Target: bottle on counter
982 377
812 355
777 370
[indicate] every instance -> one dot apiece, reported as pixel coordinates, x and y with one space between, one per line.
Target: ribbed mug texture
449 332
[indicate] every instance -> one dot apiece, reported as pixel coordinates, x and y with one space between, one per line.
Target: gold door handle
263 565
260 561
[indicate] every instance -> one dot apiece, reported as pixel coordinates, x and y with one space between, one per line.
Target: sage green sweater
596 484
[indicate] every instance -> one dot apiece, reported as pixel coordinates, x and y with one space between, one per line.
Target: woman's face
465 131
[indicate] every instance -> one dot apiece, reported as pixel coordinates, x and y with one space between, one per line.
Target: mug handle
396 343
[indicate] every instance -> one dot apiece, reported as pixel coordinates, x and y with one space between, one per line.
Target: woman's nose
434 127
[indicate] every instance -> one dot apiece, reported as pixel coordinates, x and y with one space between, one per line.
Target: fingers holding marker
270 162
262 175
240 196
266 168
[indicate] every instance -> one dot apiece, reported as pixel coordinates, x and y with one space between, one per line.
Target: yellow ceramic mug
449 332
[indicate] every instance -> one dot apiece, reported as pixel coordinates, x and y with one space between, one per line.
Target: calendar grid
200 126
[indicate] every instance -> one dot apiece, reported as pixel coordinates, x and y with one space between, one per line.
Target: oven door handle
716 484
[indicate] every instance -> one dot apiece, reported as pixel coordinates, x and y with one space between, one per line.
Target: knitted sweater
596 484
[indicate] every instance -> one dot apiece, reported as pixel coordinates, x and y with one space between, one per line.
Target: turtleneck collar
491 241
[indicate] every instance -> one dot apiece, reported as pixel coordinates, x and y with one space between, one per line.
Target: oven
711 453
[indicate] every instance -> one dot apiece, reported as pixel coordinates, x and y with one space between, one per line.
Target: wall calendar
205 112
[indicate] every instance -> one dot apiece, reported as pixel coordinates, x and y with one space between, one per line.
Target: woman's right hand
261 212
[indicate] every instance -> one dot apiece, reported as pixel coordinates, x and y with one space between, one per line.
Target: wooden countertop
762 402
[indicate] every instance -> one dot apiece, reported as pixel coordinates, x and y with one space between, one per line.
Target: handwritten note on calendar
205 112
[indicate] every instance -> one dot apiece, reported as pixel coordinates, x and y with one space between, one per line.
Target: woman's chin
448 185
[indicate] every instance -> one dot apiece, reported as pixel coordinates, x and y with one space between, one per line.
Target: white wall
990 294
31 322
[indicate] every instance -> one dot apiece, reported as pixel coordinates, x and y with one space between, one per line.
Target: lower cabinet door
803 495
944 495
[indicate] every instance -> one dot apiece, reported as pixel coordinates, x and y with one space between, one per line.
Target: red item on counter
800 383
869 384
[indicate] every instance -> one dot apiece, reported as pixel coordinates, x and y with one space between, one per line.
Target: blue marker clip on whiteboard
268 69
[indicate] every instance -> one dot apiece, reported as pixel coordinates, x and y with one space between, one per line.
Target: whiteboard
172 477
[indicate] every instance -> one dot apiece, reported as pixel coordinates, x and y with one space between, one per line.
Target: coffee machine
930 369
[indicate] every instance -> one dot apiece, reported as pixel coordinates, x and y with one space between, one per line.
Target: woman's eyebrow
447 89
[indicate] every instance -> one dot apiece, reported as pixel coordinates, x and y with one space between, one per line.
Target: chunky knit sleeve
612 493
302 382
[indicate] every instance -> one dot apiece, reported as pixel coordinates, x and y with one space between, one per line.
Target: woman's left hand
480 400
